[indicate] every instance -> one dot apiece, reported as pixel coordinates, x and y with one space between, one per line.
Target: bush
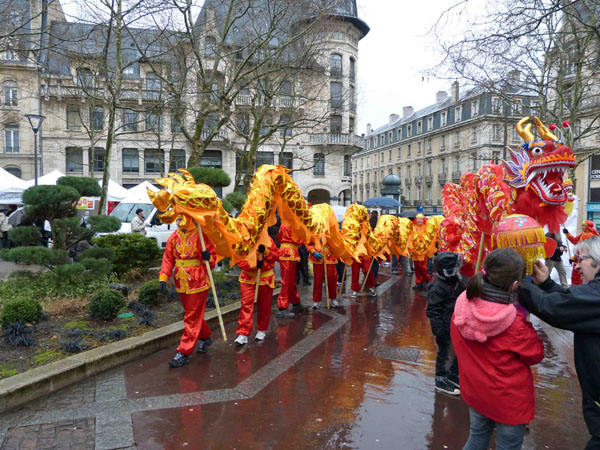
132 250
96 267
98 253
86 186
69 273
18 334
106 304
150 293
21 310
41 256
28 236
104 224
211 176
50 202
237 199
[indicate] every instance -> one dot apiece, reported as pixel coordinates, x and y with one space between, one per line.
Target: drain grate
398 354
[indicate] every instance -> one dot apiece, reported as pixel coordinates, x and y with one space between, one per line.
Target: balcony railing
427 202
419 179
217 137
442 177
429 180
336 139
408 181
456 177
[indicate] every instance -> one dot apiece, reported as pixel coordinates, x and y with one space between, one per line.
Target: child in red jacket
495 345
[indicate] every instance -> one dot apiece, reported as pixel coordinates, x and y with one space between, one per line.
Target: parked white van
138 198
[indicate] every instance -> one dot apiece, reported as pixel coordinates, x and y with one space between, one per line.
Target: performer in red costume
318 271
184 253
363 264
265 293
288 260
422 245
588 230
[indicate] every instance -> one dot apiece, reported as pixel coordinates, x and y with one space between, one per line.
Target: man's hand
565 231
540 272
163 287
261 248
259 264
318 256
206 255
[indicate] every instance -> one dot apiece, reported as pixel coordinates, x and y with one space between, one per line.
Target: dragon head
540 164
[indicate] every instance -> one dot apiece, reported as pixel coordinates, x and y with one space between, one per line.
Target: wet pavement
360 376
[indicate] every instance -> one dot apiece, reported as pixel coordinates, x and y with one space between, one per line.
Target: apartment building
55 73
435 145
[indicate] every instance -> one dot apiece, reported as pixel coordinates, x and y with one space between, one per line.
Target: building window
390 155
14 171
11 138
475 108
242 123
352 70
457 140
351 125
474 132
335 124
96 159
496 157
212 158
153 82
286 159
496 105
153 121
210 46
263 158
458 114
10 93
515 135
474 158
9 55
346 165
175 123
336 92
97 118
429 150
443 118
74 160
419 149
85 78
132 70
335 67
409 130
419 127
442 165
73 117
131 160
409 151
430 123
442 142
516 107
534 108
130 120
496 132
154 161
457 163
178 160
319 164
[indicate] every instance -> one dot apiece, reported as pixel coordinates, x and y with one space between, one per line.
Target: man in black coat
555 261
441 298
576 309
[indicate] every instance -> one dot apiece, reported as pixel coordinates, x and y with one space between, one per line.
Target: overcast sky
393 56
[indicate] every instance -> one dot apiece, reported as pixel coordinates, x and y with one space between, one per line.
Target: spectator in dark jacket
555 261
441 298
576 309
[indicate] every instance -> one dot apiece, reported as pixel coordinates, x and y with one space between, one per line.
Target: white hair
590 246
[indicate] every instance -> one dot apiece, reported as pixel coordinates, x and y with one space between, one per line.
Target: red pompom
566 124
552 126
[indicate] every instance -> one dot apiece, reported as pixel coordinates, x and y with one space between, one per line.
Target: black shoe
203 345
179 360
285 314
298 308
453 379
417 286
442 384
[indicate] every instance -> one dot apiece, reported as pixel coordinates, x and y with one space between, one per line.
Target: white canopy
8 180
116 192
138 194
49 178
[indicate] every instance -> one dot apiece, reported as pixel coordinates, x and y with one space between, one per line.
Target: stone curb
43 380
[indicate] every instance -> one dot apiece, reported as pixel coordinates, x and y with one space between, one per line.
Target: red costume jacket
184 253
289 246
267 277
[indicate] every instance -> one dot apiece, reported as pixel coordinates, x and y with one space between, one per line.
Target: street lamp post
35 120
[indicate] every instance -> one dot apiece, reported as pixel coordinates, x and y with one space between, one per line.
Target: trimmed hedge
132 250
150 294
25 310
106 304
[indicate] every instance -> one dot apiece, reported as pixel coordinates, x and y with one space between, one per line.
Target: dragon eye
537 151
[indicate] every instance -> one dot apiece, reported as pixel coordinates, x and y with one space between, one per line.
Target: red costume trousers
195 327
264 302
288 293
421 272
356 268
318 281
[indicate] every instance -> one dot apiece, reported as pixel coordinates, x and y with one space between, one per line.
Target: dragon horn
177 177
188 176
545 133
525 133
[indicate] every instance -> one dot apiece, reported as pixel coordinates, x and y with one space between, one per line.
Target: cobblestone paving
66 434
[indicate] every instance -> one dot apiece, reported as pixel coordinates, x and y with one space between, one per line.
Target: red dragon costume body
530 183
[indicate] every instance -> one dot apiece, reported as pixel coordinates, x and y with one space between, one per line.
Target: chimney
455 91
514 76
368 129
394 118
407 111
440 96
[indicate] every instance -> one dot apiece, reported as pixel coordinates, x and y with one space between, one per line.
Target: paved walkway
357 377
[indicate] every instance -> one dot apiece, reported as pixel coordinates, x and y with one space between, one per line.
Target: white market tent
139 194
48 179
116 192
9 181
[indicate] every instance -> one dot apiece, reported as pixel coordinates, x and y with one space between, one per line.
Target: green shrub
41 256
106 304
28 236
69 231
50 202
69 273
86 186
96 267
98 252
211 176
237 199
25 310
150 294
104 224
132 250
